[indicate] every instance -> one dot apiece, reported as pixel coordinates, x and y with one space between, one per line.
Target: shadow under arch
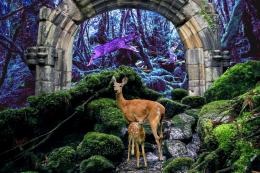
52 56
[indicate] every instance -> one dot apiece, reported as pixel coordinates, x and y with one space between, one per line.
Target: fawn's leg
129 148
133 147
137 154
144 156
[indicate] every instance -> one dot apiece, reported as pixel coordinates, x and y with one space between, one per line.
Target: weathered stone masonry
51 58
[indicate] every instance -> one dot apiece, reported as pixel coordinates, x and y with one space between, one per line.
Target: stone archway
52 57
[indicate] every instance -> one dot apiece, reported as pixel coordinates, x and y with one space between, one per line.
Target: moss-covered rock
179 93
172 107
245 152
214 112
215 107
183 119
193 112
62 159
194 101
177 165
225 134
109 119
250 100
16 125
183 127
150 94
97 164
95 143
235 81
51 101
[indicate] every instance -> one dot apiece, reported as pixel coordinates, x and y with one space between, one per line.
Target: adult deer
136 137
139 110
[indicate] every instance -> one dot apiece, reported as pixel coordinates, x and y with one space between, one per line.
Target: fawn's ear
124 80
113 79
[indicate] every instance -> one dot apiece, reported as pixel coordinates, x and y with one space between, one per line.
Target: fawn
136 137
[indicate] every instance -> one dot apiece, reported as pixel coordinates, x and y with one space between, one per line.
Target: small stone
177 148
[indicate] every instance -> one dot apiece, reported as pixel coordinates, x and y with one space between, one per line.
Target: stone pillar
213 68
215 63
196 72
46 61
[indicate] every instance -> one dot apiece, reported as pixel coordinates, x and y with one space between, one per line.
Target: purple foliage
114 45
240 21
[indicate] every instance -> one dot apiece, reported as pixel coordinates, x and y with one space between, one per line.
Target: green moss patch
95 143
16 124
235 81
108 117
179 93
97 164
180 164
215 107
194 101
62 159
172 107
225 135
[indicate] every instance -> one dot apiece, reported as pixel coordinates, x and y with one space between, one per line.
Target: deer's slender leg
161 137
154 125
137 154
144 156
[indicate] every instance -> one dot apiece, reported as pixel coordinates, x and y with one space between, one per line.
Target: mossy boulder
179 93
62 159
225 134
194 101
97 164
214 112
109 119
17 124
193 112
95 143
244 154
181 164
214 109
182 127
183 119
235 81
150 94
172 107
53 101
250 100
95 106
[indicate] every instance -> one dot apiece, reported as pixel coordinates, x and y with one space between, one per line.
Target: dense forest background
159 47
153 48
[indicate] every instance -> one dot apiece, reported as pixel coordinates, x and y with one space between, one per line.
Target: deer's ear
124 80
113 79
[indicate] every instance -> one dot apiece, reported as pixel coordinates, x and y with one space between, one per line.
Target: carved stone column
44 60
196 71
